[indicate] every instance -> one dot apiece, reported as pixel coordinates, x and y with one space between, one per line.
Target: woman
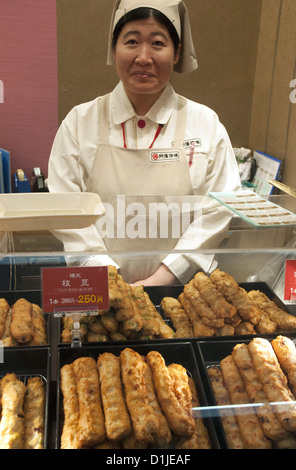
145 140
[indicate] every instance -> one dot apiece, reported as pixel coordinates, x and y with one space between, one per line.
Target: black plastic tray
26 363
210 353
177 352
33 296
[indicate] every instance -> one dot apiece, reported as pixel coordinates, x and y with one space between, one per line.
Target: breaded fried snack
115 296
70 433
150 326
232 432
212 296
21 326
175 312
4 309
284 320
39 325
248 422
34 409
203 310
91 418
199 328
12 429
200 436
271 426
286 354
180 423
165 331
117 421
162 435
235 295
144 421
127 308
274 382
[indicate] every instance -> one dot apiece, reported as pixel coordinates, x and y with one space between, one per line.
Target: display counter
221 353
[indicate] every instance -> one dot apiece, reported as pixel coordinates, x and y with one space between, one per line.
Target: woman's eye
159 43
131 41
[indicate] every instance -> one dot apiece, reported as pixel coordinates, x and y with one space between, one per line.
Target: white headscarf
176 12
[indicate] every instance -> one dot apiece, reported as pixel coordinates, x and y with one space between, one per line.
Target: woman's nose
144 56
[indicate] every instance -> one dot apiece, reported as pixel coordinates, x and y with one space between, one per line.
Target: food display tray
26 363
49 211
210 353
33 296
173 352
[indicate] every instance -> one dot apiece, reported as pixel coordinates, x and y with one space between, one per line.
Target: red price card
75 288
290 280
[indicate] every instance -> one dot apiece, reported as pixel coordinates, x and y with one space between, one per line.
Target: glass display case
255 261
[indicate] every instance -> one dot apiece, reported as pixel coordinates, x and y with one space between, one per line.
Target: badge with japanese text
70 289
290 281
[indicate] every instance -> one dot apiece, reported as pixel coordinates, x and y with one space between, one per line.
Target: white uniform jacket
213 167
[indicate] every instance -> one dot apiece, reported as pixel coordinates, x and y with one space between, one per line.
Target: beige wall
273 124
246 55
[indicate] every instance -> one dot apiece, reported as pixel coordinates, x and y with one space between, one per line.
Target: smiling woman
143 140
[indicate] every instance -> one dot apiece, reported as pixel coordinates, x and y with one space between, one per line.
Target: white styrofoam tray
49 211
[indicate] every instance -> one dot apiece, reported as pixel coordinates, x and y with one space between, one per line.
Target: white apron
123 178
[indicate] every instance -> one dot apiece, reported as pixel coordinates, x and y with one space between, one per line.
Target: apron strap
180 124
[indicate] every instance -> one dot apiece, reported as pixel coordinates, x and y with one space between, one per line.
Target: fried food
126 309
4 310
39 325
286 354
271 426
70 434
144 421
212 296
248 422
117 421
200 435
184 396
179 421
203 310
21 326
284 320
274 382
175 312
165 331
109 322
34 409
150 326
7 339
265 325
236 295
199 328
245 328
115 295
12 429
225 330
232 432
162 435
91 418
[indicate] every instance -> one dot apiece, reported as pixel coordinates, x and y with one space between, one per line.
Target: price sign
290 281
75 289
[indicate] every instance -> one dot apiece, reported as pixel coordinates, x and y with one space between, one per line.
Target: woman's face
144 56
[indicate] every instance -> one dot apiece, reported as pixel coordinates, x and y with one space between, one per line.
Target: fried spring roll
270 424
163 435
286 354
284 320
70 432
144 422
127 307
212 296
12 429
34 409
179 421
7 339
235 295
203 310
115 295
274 382
165 331
232 432
21 326
117 421
4 309
174 310
150 324
248 422
91 418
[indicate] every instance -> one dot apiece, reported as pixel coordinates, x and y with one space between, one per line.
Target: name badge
165 156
